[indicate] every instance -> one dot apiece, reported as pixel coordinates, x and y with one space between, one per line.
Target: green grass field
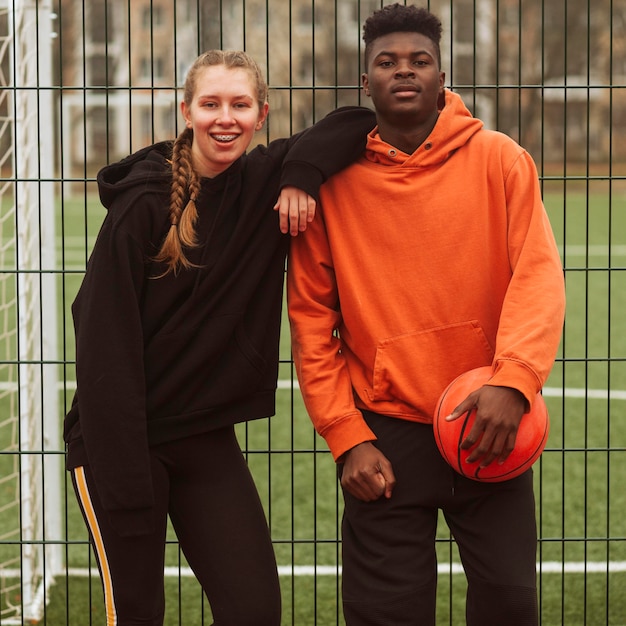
581 500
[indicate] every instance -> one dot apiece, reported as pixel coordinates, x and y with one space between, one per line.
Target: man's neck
403 135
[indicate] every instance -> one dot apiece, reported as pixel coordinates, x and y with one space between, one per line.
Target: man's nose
404 70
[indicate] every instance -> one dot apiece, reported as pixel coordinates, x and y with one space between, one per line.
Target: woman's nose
225 116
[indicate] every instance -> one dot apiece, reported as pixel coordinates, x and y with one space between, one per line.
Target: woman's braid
183 212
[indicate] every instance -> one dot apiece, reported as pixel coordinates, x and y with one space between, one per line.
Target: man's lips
404 88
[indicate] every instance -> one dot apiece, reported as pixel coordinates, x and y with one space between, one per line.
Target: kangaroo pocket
415 368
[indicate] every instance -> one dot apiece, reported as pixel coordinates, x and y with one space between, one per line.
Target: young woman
177 331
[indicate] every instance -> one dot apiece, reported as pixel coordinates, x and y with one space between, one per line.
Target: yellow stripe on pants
92 521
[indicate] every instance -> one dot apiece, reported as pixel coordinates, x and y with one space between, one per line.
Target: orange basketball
529 443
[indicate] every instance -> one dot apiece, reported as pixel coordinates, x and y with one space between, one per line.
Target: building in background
121 64
523 68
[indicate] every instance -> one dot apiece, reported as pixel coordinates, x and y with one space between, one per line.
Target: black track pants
389 561
204 484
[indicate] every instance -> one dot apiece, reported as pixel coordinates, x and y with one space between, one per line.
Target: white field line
592 250
591 394
77 243
548 392
75 257
547 567
74 245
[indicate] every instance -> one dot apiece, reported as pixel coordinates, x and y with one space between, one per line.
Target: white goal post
30 499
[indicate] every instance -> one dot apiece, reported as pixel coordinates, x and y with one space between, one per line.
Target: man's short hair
396 18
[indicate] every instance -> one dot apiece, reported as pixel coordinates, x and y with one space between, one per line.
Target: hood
147 170
454 128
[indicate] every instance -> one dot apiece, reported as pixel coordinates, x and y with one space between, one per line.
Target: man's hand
296 209
367 474
498 416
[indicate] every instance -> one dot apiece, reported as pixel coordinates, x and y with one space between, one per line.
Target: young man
433 255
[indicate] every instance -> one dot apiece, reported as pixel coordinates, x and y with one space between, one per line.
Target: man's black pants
389 560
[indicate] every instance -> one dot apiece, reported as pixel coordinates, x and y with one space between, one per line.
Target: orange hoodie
426 265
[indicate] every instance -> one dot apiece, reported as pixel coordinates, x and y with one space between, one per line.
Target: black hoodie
159 359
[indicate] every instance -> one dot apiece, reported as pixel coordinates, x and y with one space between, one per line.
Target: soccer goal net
30 459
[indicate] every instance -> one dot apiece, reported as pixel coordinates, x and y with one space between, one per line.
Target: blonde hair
185 181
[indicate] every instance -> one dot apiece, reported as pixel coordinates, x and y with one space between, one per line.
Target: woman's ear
262 116
185 112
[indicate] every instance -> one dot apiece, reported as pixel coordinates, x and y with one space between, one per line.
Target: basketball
529 443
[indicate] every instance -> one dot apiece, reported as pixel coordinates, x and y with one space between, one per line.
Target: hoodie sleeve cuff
347 433
303 176
517 376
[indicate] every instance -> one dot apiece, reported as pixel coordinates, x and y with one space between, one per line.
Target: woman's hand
296 209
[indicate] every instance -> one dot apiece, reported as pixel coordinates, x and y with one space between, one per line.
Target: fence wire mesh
86 83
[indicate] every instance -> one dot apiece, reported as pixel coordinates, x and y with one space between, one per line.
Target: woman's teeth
224 138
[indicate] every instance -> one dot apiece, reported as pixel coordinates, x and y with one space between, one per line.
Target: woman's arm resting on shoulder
317 153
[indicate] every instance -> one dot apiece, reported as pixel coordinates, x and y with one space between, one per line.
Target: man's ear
441 100
365 83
